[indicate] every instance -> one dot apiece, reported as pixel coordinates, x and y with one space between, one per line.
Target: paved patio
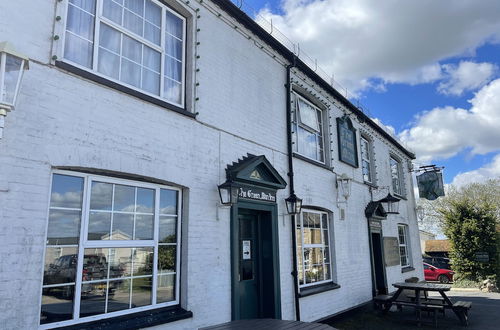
484 315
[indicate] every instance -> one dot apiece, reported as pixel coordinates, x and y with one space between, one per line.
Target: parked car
432 273
439 262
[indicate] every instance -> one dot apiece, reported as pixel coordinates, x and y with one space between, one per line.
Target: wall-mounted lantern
293 204
12 66
344 183
228 193
390 204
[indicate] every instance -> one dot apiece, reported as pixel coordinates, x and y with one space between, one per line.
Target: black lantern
228 193
390 204
293 204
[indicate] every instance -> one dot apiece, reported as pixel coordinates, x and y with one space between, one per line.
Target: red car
432 273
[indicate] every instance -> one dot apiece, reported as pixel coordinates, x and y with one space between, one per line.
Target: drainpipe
294 273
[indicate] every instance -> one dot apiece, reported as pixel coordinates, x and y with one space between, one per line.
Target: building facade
131 114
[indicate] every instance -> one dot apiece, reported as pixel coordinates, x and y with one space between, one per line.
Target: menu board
391 251
348 152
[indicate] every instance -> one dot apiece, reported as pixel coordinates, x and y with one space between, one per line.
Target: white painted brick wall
65 120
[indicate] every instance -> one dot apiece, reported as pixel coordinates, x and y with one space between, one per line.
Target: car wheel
443 279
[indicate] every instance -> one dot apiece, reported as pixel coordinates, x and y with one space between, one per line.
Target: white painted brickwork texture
64 120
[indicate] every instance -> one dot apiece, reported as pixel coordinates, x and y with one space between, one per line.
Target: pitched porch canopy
255 178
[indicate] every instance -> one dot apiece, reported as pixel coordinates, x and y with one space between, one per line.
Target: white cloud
444 132
466 76
388 128
489 171
394 41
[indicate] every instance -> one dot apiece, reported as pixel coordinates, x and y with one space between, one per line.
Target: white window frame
368 158
406 245
85 244
296 122
399 190
98 18
300 221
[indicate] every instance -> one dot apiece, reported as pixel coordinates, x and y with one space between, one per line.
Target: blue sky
428 70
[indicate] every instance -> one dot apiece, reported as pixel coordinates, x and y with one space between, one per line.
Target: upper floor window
138 43
366 160
348 151
308 129
313 248
403 245
396 176
112 248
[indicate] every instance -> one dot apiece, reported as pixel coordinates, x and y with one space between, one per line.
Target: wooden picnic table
425 303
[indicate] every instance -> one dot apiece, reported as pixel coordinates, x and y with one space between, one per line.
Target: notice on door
246 248
391 251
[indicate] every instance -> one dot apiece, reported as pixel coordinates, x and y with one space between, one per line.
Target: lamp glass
390 204
11 70
293 204
228 193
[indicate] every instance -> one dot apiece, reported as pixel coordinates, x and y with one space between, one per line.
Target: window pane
67 191
93 299
152 59
113 11
131 73
166 258
57 304
173 68
308 115
153 13
109 38
132 22
166 288
132 49
101 196
307 143
118 295
324 221
327 255
78 50
109 64
99 226
143 226
312 236
142 260
80 23
173 47
124 198
151 81
60 265
145 200
168 201
123 226
95 264
152 33
141 291
174 25
120 262
64 227
88 5
168 230
172 91
136 6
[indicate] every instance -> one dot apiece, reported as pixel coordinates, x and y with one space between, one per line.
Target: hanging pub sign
430 185
255 193
348 151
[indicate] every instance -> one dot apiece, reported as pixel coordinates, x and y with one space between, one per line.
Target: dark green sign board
430 185
348 151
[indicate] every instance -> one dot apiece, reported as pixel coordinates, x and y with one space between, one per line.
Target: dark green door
255 265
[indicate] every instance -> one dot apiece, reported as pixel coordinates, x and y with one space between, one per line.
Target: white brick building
130 116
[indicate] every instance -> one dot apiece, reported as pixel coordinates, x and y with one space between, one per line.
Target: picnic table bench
427 304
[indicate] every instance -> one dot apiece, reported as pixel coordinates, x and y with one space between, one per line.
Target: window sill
400 196
122 88
311 290
137 320
407 269
374 186
311 161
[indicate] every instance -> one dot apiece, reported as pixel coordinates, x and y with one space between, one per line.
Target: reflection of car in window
62 270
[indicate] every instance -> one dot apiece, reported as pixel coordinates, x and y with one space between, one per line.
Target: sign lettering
257 194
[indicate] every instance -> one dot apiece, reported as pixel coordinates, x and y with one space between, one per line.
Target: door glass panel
246 270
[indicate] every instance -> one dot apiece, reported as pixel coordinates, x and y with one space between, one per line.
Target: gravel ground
484 315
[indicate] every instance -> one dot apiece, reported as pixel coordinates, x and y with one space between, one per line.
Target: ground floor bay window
313 248
112 248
